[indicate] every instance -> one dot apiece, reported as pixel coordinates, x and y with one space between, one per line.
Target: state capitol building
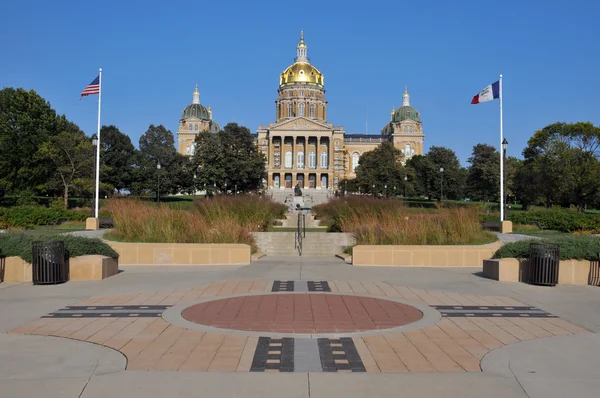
301 146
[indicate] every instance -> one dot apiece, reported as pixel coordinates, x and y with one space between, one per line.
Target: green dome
214 127
195 110
406 112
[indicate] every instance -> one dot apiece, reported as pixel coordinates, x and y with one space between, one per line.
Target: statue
297 190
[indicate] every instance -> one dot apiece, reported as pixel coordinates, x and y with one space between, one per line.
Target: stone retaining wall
572 272
181 253
423 256
82 268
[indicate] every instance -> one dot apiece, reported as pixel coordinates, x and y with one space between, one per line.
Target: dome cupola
196 109
301 71
406 112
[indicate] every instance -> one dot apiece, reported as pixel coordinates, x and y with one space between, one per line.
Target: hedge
20 245
558 220
571 248
30 216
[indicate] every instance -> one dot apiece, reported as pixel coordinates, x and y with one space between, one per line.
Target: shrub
571 247
20 244
31 216
390 222
559 220
216 220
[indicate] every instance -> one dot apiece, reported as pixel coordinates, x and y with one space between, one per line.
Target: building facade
302 148
194 119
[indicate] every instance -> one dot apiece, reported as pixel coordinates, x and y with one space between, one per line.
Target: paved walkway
324 327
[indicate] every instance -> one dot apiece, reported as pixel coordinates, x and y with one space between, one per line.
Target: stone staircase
310 197
315 244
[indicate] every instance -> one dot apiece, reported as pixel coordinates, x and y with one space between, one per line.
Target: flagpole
98 146
501 158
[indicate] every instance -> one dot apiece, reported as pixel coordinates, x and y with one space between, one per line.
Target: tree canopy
380 171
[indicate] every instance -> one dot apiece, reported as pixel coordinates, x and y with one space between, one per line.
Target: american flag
92 88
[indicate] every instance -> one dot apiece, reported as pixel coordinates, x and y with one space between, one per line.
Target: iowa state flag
489 93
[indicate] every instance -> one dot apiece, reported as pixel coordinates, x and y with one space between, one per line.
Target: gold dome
301 72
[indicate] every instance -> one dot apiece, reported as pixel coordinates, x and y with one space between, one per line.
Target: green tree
26 122
451 182
483 181
425 174
561 162
380 168
157 146
71 152
227 160
117 156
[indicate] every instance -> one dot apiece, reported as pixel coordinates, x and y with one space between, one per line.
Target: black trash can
49 266
544 261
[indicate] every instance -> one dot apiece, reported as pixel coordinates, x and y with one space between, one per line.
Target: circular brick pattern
302 313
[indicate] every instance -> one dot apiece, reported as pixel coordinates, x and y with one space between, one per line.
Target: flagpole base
506 227
92 224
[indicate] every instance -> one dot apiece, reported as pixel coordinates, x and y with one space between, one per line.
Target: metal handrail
300 234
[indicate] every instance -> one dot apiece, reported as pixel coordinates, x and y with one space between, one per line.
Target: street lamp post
405 183
194 189
158 181
373 190
95 143
441 184
235 192
504 148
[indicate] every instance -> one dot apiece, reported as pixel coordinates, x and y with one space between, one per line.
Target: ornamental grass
376 221
215 220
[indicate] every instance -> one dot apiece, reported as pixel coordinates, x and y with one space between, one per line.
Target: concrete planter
181 253
572 272
423 256
82 268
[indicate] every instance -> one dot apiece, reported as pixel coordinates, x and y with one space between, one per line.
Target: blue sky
154 52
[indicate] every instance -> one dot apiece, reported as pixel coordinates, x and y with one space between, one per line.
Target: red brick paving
302 313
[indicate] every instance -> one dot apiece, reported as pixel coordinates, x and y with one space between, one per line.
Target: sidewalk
474 337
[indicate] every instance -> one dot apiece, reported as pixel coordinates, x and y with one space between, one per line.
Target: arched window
300 162
355 157
276 181
407 150
324 159
288 159
290 110
312 110
312 159
300 109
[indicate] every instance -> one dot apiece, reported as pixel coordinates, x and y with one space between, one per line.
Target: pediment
300 124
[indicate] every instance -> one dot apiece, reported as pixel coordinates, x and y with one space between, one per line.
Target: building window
300 109
312 110
276 181
300 162
290 110
312 159
196 127
405 129
277 159
324 159
411 129
288 159
302 93
337 145
407 150
355 158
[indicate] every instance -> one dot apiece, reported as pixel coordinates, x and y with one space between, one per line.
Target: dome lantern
196 99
